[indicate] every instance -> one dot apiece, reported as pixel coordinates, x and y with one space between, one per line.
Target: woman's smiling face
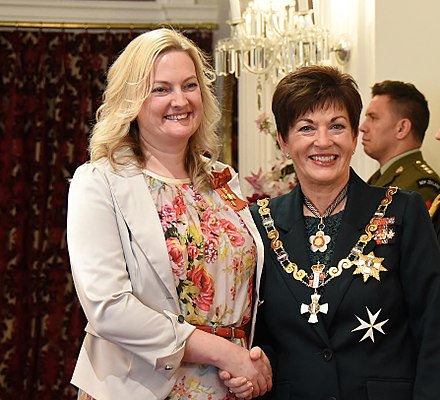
173 111
321 144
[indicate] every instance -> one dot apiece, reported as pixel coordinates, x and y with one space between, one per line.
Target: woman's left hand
240 386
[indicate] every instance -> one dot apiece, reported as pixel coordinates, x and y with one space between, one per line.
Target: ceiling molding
109 12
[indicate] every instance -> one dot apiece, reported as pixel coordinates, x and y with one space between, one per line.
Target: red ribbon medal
219 181
384 231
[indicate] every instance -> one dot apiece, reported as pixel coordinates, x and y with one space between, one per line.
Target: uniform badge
384 231
370 325
399 170
369 265
431 183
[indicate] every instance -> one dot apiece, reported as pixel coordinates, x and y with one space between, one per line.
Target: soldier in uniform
393 131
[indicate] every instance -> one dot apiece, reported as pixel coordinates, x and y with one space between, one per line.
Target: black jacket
328 360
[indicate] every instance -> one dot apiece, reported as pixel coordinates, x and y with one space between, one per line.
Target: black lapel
289 221
361 204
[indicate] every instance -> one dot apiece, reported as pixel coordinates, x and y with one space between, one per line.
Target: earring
354 151
287 155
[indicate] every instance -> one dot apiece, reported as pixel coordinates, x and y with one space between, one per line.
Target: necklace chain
330 208
346 263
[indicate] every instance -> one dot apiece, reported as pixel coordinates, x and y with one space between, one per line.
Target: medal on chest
366 265
314 308
319 241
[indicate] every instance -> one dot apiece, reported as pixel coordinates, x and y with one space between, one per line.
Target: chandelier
274 37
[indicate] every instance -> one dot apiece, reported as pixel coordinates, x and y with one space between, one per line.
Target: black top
436 222
337 357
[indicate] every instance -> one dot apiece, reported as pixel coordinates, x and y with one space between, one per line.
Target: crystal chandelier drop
272 38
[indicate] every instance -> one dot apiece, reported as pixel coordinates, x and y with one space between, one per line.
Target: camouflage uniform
410 173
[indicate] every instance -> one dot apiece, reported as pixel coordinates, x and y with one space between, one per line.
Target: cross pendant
314 308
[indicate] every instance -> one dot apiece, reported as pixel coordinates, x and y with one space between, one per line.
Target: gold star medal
369 265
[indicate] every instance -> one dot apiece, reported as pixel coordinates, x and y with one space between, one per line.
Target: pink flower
254 179
236 265
266 126
167 216
179 206
175 251
204 282
234 236
193 250
210 251
210 223
260 119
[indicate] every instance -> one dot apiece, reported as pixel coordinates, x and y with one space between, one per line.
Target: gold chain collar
345 263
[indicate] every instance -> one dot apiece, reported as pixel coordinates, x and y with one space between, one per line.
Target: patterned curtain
228 91
51 85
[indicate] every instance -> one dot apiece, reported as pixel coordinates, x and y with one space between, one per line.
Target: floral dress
213 258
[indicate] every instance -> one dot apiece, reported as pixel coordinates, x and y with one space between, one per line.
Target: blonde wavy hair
129 83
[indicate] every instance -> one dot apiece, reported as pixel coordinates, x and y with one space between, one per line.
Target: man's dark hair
409 103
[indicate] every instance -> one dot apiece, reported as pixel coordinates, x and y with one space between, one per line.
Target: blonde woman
165 257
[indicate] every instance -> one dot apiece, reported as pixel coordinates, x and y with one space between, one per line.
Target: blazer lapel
360 208
289 221
135 203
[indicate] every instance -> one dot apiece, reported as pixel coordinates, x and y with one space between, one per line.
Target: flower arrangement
280 178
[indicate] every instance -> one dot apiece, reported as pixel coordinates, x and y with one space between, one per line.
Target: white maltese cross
369 326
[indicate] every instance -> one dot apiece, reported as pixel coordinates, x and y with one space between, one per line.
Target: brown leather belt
228 332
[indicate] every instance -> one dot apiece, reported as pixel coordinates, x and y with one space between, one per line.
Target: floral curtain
50 85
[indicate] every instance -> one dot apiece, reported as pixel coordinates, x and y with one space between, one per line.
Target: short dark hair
409 101
314 87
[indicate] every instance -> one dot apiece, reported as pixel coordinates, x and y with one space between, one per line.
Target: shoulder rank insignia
424 167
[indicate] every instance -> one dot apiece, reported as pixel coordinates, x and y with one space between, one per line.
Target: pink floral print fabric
213 258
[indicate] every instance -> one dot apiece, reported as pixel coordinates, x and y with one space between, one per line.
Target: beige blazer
134 339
